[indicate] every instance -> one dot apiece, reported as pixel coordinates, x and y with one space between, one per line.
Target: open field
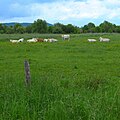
74 80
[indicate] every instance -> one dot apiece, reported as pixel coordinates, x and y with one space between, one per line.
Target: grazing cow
21 40
14 41
45 40
52 40
91 40
17 41
66 37
40 40
104 39
32 40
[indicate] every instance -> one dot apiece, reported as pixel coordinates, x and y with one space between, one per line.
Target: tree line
41 26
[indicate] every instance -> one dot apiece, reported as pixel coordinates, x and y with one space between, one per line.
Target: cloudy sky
76 12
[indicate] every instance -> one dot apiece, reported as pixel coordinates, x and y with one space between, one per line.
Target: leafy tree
90 27
50 29
39 26
18 28
85 28
106 27
10 30
70 28
2 29
58 28
21 29
29 29
77 30
97 29
117 29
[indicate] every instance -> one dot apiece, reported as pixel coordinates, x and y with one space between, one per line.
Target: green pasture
70 80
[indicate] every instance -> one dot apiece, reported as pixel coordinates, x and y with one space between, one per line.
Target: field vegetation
70 80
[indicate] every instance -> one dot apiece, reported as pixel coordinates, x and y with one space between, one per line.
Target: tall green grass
73 80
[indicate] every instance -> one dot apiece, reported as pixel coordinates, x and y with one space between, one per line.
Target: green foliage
40 26
70 28
2 30
50 29
57 28
117 29
9 30
29 29
90 27
107 27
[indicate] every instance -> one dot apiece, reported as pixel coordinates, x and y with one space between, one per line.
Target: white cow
21 40
66 37
17 41
14 41
52 40
91 40
45 40
104 39
32 40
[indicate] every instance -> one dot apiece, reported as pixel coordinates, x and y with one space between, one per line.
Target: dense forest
41 26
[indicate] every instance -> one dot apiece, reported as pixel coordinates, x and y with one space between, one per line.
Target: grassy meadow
70 80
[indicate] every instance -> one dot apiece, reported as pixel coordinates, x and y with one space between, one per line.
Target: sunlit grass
73 80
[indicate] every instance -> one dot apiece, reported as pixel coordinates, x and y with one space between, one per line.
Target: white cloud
76 9
113 2
68 10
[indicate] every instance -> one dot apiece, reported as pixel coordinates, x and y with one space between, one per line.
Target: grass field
73 80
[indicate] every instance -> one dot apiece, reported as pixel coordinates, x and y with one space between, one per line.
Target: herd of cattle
64 37
35 40
100 39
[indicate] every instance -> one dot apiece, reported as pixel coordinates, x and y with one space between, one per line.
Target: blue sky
76 12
